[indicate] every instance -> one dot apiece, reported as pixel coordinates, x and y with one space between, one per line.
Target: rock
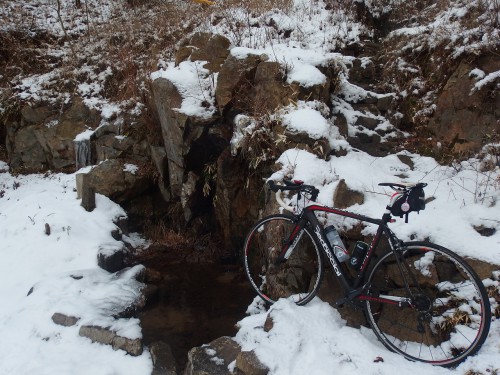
110 146
384 103
131 346
179 131
35 115
111 256
234 74
367 122
483 269
97 334
108 337
226 348
64 320
249 364
188 195
330 291
205 47
269 323
27 151
406 160
484 231
344 197
122 223
269 92
163 359
44 140
341 123
362 72
463 115
236 206
116 234
110 179
302 140
160 161
212 359
79 184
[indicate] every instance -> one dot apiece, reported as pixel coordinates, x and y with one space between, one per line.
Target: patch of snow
307 120
487 79
195 84
131 168
84 136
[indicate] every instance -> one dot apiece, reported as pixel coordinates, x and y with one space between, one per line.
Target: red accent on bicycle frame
332 210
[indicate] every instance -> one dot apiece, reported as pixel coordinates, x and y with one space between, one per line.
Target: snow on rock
307 120
195 84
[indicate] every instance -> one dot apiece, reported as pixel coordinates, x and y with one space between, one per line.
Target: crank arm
391 300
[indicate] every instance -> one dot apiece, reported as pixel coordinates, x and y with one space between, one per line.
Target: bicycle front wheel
298 277
447 315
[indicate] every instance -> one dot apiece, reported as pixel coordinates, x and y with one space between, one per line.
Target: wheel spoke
450 313
298 276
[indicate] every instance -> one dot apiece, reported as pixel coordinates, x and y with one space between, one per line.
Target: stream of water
197 303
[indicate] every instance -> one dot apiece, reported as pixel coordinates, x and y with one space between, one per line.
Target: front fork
290 243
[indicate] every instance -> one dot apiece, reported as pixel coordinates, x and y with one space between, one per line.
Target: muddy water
196 304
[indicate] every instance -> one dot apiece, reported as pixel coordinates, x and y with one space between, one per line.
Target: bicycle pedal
340 302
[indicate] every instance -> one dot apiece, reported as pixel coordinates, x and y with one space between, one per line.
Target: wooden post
88 193
79 181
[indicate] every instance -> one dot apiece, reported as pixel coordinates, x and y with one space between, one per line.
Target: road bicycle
422 300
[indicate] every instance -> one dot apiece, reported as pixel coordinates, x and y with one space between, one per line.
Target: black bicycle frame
353 288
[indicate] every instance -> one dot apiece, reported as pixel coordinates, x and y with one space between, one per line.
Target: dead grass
159 233
256 7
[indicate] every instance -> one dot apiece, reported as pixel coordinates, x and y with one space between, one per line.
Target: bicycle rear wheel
298 278
449 313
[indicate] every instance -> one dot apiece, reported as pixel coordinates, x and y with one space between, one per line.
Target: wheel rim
447 318
297 278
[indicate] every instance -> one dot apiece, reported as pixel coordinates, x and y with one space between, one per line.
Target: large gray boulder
213 358
112 179
105 335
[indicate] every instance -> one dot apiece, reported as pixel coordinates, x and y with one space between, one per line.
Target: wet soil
196 303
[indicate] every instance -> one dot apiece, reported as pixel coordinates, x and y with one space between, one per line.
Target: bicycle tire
450 314
298 278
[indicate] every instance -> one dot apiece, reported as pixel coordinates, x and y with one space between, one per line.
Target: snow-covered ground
314 339
61 269
61 272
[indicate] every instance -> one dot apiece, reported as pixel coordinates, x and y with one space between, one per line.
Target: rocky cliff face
196 163
467 113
